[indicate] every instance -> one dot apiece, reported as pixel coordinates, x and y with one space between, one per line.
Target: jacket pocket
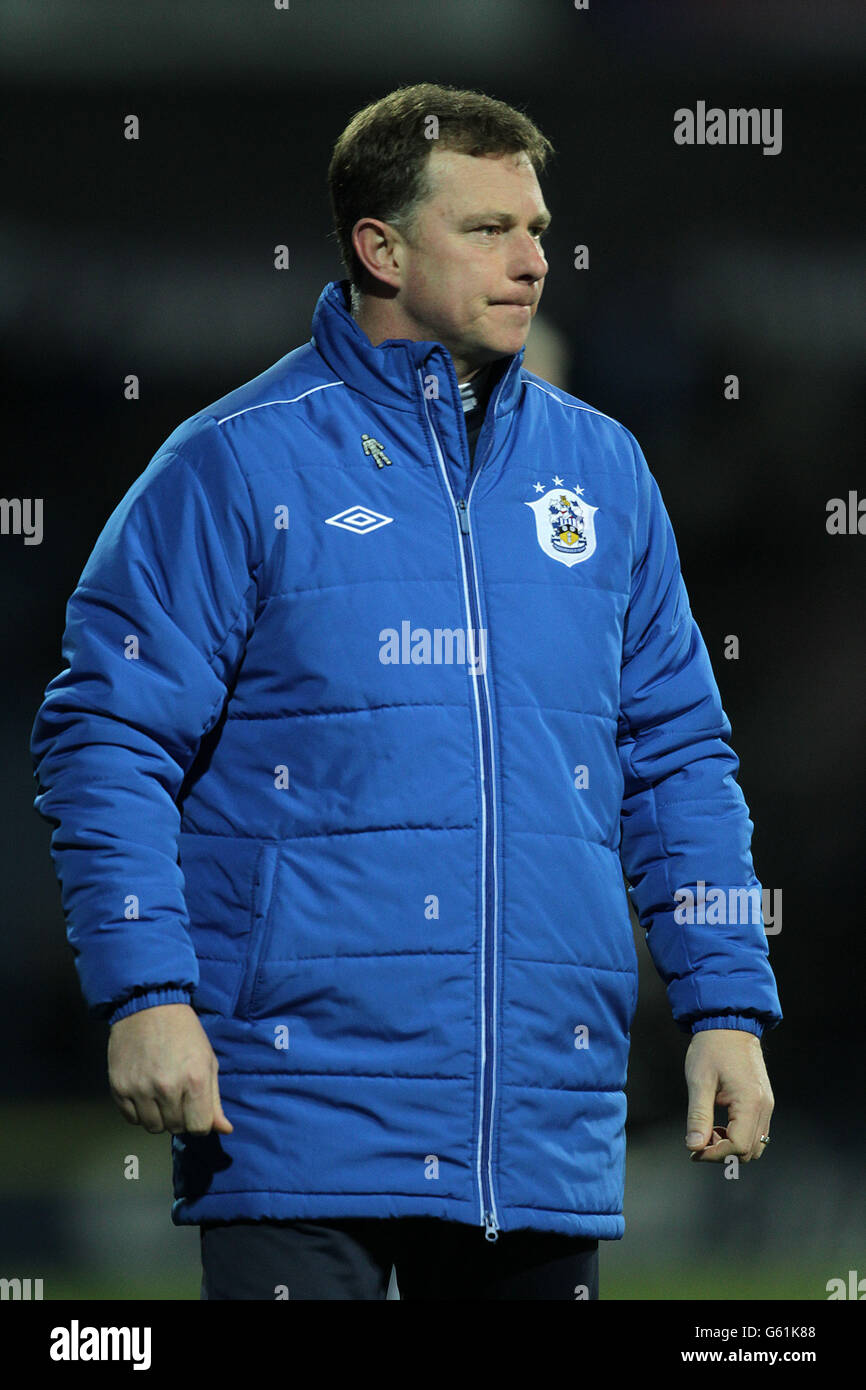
261 904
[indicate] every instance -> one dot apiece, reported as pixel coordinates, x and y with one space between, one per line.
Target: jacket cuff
744 1022
149 1000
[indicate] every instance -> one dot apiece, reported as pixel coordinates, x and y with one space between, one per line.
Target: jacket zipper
489 1217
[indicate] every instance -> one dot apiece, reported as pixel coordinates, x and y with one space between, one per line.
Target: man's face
472 275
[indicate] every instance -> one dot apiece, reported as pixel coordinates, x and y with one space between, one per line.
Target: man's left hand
725 1066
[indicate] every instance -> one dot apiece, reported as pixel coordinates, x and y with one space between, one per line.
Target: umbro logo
358 519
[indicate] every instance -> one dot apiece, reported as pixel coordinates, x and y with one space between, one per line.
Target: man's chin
503 345
513 346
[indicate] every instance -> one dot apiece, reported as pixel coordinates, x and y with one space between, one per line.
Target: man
376 674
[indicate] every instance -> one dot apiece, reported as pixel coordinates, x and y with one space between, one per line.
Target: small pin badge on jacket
377 450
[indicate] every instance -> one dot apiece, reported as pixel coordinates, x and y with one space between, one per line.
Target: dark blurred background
155 257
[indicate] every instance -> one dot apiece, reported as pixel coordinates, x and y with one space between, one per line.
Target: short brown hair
379 164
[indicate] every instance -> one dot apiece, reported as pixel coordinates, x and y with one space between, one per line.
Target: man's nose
532 260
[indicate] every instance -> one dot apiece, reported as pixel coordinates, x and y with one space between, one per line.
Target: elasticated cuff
150 999
744 1022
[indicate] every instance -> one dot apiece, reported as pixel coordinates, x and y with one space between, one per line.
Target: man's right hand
162 1072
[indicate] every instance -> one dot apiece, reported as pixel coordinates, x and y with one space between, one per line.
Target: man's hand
725 1066
162 1072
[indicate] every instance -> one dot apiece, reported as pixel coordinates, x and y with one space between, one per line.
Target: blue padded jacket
352 748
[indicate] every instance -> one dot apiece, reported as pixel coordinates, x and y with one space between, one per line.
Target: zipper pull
464 518
491 1227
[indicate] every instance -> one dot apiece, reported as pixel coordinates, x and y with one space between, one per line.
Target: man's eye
539 232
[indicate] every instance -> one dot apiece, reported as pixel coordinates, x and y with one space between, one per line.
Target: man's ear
379 247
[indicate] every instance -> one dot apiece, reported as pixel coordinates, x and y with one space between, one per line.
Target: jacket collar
388 373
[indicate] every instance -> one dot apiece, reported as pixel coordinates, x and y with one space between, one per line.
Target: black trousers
351 1258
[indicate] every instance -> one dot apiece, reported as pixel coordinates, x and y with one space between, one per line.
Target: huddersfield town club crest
565 525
